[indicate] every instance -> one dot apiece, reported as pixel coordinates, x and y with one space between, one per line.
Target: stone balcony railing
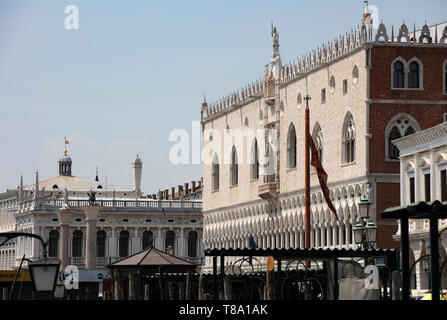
128 204
267 190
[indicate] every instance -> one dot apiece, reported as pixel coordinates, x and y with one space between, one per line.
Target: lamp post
365 233
43 272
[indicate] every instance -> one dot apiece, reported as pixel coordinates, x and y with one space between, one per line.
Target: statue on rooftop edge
91 197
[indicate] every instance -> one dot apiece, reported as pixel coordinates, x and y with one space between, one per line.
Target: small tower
21 189
275 62
65 162
36 186
137 166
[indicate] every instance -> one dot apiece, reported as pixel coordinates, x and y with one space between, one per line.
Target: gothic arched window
234 168
53 244
148 239
400 126
170 240
398 75
101 243
124 243
254 161
349 139
192 244
413 76
317 137
77 243
291 147
215 173
445 77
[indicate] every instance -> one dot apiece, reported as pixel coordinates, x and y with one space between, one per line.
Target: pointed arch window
445 77
317 137
77 243
413 75
101 243
271 168
215 173
53 244
349 140
234 168
291 147
400 126
124 243
398 75
148 239
255 161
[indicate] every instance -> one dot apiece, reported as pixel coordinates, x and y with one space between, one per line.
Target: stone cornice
426 139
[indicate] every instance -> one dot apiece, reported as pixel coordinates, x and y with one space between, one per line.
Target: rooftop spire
97 177
36 186
275 40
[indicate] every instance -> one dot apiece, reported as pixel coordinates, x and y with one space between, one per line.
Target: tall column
159 240
340 234
91 215
135 241
112 248
64 237
181 244
334 235
433 179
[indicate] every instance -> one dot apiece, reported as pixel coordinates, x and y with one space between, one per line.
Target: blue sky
135 70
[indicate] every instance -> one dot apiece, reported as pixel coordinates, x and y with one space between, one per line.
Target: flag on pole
322 175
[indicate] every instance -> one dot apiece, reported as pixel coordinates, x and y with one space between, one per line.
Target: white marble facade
423 165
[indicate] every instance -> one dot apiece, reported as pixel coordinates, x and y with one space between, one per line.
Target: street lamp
365 233
44 275
43 272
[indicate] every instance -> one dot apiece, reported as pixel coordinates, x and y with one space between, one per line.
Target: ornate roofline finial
66 142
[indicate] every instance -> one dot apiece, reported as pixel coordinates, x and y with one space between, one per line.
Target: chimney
193 186
154 196
149 196
180 189
172 192
200 183
186 188
166 194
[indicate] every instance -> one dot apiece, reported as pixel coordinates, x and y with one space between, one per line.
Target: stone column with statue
65 214
91 215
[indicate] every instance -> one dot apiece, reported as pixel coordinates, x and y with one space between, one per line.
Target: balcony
103 261
77 261
267 190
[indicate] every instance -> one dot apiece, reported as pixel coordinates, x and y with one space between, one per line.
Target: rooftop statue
91 197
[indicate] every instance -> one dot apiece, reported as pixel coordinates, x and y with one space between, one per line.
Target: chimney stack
186 188
180 189
154 196
193 186
166 194
173 192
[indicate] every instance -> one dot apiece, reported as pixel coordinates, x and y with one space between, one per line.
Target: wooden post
146 292
227 289
171 290
270 283
5 293
117 286
181 290
395 285
133 286
201 295
188 286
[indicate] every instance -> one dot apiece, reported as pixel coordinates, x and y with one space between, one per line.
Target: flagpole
307 176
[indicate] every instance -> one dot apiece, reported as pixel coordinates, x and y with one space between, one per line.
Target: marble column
91 215
135 242
65 216
112 248
181 244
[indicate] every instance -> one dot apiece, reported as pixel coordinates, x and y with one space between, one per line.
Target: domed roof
65 159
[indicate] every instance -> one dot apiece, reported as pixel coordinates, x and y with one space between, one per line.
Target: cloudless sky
136 70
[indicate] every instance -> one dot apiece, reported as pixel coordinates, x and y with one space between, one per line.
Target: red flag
322 175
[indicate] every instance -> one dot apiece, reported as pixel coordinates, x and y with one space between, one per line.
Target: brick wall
388 195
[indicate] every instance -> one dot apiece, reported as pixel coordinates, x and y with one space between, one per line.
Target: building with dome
128 221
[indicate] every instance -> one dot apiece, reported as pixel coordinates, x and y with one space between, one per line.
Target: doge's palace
367 88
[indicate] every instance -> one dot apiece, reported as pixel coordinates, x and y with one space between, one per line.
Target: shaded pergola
280 255
433 211
148 262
